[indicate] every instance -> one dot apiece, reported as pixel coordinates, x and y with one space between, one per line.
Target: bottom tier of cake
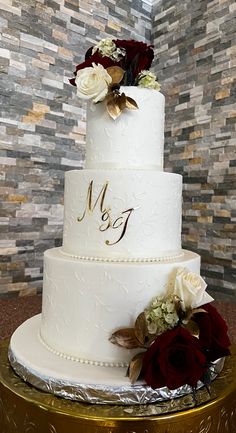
34 363
85 301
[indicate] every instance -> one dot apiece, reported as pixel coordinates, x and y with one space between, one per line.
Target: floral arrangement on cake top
180 336
110 64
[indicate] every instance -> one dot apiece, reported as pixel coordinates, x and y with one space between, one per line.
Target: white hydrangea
148 79
161 315
108 48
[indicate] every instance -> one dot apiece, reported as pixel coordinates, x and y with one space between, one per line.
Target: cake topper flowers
110 64
178 340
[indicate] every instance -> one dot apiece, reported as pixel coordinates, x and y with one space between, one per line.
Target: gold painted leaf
185 315
140 328
135 367
199 310
113 108
190 313
125 338
178 308
193 328
116 103
121 100
131 103
116 74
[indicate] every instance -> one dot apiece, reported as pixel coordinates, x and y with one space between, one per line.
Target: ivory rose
190 289
93 82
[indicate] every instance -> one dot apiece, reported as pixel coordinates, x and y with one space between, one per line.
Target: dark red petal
72 81
161 366
213 333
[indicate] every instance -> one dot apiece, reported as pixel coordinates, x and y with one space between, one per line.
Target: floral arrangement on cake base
179 335
110 64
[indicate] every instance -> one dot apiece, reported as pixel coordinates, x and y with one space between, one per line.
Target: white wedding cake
121 250
122 234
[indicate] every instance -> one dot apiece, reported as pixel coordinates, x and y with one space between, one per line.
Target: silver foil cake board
47 371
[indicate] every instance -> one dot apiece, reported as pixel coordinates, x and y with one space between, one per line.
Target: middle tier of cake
122 215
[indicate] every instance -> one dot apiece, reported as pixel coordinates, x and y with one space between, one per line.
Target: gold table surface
23 409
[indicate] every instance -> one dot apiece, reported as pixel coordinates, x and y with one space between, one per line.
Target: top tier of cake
134 140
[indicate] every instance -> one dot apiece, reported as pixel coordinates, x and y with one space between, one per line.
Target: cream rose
93 82
190 289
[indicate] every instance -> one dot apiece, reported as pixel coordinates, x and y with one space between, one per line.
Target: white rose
190 289
93 82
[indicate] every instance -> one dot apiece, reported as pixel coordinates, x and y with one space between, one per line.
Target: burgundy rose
138 57
174 359
96 58
213 333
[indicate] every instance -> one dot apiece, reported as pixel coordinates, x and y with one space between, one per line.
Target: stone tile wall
195 51
42 122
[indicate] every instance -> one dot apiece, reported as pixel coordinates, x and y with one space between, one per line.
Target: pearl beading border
123 260
81 360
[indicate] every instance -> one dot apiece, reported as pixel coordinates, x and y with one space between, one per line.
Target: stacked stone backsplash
195 52
42 122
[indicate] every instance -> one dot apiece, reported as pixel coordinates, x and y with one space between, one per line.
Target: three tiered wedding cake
121 249
122 234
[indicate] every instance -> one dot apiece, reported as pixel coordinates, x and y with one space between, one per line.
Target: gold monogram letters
121 221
